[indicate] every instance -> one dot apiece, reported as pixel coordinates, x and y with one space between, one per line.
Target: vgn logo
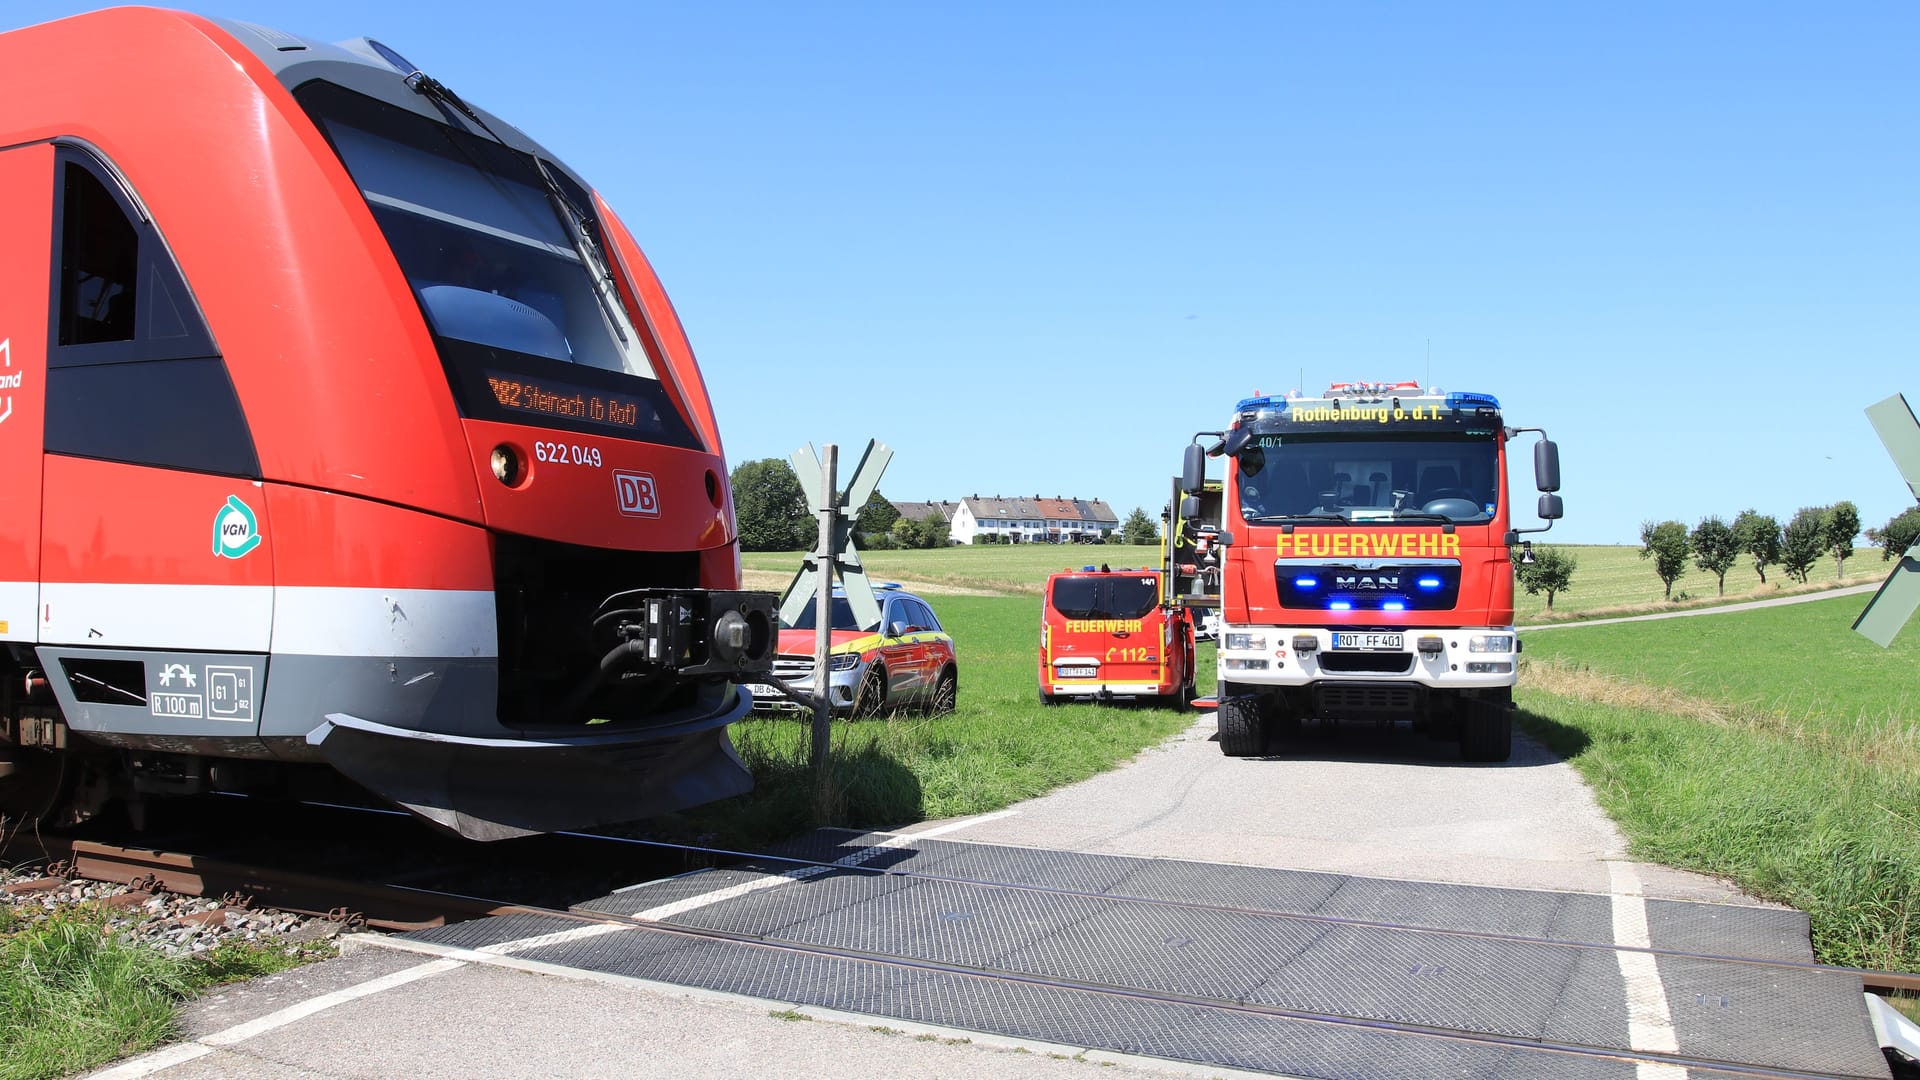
235 530
636 494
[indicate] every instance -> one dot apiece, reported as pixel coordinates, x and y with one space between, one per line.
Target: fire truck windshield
1107 596
1281 477
519 316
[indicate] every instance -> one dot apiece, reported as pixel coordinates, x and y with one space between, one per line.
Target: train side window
134 374
99 250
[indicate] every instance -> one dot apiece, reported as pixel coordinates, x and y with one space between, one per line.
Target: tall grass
73 997
75 993
1773 747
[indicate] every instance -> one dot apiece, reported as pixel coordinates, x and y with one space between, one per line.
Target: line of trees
1813 533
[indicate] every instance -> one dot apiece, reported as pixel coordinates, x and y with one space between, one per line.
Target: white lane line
1649 1023
148 1064
806 873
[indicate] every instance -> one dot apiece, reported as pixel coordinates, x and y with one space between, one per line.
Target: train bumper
494 789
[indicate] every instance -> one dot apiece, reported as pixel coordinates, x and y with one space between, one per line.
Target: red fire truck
1105 634
1366 573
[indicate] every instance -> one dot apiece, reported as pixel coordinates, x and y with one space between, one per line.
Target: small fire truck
1105 633
1366 571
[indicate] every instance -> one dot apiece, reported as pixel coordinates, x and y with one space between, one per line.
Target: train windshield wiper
586 240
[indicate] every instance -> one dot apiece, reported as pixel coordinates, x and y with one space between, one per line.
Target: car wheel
872 695
946 693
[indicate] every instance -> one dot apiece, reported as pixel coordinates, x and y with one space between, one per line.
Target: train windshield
1311 477
518 297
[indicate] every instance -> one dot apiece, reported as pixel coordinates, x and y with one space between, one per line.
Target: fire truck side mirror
1223 539
1546 469
1189 508
1550 508
1193 472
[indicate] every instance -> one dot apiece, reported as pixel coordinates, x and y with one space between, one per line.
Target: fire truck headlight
1236 663
1490 643
1489 667
1246 641
845 661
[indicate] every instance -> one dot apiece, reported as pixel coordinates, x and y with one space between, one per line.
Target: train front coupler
682 634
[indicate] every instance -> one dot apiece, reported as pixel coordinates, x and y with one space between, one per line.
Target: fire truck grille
1380 663
1362 699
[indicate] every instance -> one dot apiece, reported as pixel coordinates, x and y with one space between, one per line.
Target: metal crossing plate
1304 974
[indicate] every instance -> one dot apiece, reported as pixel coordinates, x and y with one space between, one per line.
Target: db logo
637 497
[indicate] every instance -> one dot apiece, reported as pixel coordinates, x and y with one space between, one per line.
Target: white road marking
806 873
148 1064
1649 1023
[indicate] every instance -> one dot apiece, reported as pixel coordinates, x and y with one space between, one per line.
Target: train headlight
506 465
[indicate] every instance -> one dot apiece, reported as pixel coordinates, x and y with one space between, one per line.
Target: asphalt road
1357 799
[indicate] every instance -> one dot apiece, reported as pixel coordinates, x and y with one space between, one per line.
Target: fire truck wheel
1486 728
1242 732
872 695
946 693
1049 699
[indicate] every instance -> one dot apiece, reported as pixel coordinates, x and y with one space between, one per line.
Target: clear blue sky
1034 247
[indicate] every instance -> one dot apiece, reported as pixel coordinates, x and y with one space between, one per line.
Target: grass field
1774 747
1610 580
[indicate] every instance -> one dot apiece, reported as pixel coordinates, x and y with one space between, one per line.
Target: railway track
404 908
393 906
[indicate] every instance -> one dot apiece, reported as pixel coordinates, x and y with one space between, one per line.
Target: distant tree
935 530
1900 533
1758 535
1550 572
1139 529
1715 549
1838 528
931 531
770 507
1665 542
876 517
1803 541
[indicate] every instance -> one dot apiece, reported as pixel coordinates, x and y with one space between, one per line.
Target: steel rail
386 907
1884 980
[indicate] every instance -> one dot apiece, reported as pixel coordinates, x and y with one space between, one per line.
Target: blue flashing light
1472 401
1394 605
1086 569
1340 605
1428 583
1304 582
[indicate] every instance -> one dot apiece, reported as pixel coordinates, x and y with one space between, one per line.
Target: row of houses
1018 520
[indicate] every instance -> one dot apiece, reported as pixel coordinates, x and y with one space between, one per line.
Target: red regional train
345 432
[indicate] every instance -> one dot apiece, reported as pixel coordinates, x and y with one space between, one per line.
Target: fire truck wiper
1267 519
